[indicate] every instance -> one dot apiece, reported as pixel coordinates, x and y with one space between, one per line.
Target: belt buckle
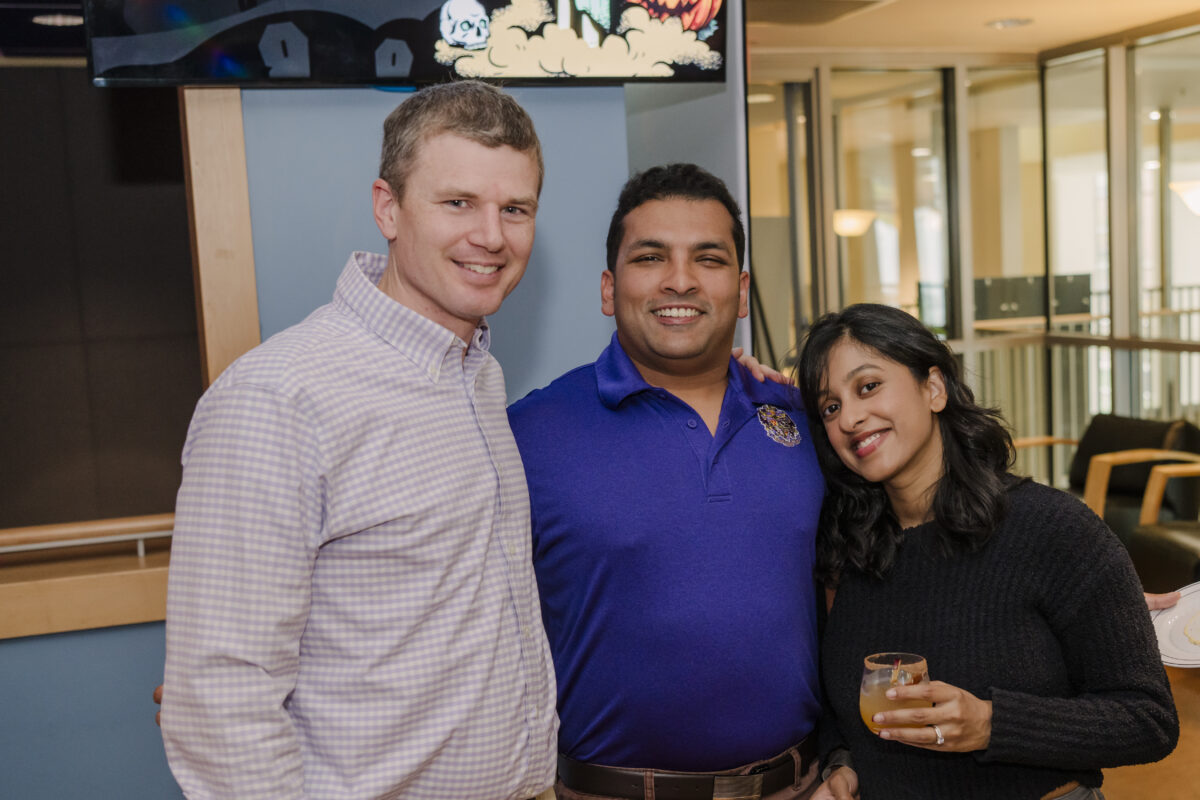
738 787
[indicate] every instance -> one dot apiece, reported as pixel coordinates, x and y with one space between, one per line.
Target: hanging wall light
1188 191
850 222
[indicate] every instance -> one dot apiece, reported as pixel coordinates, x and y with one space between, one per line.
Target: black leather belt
775 775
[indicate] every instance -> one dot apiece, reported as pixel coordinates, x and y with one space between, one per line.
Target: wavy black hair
858 529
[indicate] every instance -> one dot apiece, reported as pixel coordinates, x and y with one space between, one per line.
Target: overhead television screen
330 42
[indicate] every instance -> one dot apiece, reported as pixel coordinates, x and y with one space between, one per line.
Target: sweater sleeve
1122 711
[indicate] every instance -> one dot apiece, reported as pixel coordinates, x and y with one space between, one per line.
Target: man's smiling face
461 235
676 289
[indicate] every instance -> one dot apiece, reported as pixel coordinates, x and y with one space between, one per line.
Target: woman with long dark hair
1026 607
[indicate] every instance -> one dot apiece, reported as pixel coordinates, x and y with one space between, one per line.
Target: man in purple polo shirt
674 509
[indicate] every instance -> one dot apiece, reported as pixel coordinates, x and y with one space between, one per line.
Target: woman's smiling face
882 420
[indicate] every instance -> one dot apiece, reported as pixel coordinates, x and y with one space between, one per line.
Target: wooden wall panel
219 215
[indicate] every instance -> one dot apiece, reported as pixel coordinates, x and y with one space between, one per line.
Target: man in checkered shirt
352 611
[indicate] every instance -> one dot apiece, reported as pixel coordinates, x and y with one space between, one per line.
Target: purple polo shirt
674 566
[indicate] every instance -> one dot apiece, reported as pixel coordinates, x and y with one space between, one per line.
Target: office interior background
1030 189
1041 210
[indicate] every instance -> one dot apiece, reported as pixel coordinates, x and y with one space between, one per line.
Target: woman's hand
842 785
1157 601
962 719
761 372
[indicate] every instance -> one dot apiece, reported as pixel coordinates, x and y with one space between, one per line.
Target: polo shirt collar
616 375
419 339
617 378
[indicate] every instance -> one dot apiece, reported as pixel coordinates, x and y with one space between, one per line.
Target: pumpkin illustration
694 14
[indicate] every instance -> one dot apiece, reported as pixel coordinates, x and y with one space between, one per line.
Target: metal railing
93 532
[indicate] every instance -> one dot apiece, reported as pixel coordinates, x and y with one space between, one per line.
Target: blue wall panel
76 717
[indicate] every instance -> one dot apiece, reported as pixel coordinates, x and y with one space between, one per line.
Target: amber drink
881 672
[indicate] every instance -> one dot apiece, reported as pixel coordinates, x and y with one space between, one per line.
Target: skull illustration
464 24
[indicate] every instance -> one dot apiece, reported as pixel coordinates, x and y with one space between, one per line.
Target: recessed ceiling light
1152 165
921 152
1008 22
760 97
58 20
1156 115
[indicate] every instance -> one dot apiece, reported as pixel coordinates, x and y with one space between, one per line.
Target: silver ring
938 731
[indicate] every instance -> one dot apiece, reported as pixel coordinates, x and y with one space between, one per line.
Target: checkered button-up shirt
352 610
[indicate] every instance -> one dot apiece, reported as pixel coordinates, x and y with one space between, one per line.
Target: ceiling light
760 97
1188 191
1008 22
58 20
1156 115
1152 165
921 152
852 221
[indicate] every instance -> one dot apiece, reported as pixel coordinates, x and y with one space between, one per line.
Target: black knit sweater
1047 621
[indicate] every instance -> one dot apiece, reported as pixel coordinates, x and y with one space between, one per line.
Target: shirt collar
421 340
617 378
616 375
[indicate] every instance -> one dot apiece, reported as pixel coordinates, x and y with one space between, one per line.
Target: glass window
1004 118
1076 140
891 216
1001 379
780 271
1170 384
98 340
1081 387
1167 131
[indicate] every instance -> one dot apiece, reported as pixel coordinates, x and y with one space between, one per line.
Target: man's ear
607 305
384 203
743 295
936 386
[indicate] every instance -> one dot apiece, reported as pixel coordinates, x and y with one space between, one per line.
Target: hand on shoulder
761 372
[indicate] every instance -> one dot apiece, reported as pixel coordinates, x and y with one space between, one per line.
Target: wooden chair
1166 553
1113 460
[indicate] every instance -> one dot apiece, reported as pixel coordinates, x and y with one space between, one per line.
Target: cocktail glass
881 672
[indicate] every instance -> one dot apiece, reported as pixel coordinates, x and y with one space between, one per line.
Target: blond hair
471 109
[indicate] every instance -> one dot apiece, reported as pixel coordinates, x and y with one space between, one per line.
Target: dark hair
673 180
858 530
471 109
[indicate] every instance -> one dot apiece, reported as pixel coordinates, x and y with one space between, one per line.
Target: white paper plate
1178 629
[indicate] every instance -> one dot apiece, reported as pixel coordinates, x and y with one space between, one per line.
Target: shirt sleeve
248 523
1122 711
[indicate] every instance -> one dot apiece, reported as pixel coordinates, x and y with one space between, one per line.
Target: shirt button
691 423
725 424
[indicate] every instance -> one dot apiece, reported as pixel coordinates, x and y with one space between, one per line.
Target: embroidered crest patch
779 425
